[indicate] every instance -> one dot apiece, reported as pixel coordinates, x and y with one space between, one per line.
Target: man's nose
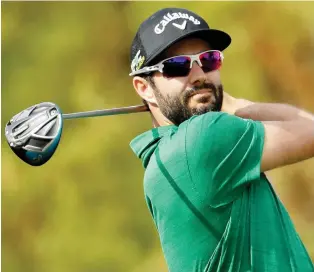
196 74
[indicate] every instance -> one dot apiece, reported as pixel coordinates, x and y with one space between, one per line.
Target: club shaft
106 112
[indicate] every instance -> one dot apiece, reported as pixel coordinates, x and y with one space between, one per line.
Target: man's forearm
262 111
271 112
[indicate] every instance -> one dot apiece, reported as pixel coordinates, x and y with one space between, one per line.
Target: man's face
180 98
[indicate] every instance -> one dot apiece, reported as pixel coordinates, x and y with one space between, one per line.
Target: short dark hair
149 78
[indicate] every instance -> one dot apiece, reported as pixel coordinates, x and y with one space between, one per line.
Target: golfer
205 159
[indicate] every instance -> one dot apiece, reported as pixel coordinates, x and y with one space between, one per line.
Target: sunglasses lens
176 67
180 66
211 61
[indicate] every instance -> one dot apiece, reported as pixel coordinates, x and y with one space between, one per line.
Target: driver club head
34 133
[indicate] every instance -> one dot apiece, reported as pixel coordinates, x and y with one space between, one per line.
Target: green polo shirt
213 209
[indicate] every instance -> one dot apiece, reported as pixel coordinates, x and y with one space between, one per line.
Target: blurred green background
84 210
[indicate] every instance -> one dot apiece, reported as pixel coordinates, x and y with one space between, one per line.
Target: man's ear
143 89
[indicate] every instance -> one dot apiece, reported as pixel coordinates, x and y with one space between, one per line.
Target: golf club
34 133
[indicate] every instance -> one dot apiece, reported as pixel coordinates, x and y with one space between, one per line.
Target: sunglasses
180 66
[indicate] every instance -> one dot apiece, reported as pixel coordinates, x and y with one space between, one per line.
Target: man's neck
158 118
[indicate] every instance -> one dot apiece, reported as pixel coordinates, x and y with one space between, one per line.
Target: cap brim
217 39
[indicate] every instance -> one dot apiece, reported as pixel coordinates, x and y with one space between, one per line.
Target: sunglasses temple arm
147 70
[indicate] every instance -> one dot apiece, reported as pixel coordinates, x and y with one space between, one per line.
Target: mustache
209 86
203 86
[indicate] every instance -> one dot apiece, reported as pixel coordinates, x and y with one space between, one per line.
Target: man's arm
287 142
289 131
262 111
272 112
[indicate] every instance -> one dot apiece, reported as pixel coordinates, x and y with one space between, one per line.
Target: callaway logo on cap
167 26
160 27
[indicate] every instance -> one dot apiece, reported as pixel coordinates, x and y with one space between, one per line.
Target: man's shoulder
212 117
216 121
209 118
205 122
218 130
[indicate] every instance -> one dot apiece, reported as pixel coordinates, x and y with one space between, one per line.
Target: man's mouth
200 92
200 95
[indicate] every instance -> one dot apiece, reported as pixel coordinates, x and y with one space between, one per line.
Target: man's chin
202 108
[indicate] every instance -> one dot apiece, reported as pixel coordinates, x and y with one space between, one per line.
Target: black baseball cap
168 26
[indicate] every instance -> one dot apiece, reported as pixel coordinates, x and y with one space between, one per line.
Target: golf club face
34 133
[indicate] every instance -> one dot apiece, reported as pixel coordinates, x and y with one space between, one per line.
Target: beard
177 109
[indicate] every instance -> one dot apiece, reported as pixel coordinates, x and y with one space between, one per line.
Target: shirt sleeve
224 155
